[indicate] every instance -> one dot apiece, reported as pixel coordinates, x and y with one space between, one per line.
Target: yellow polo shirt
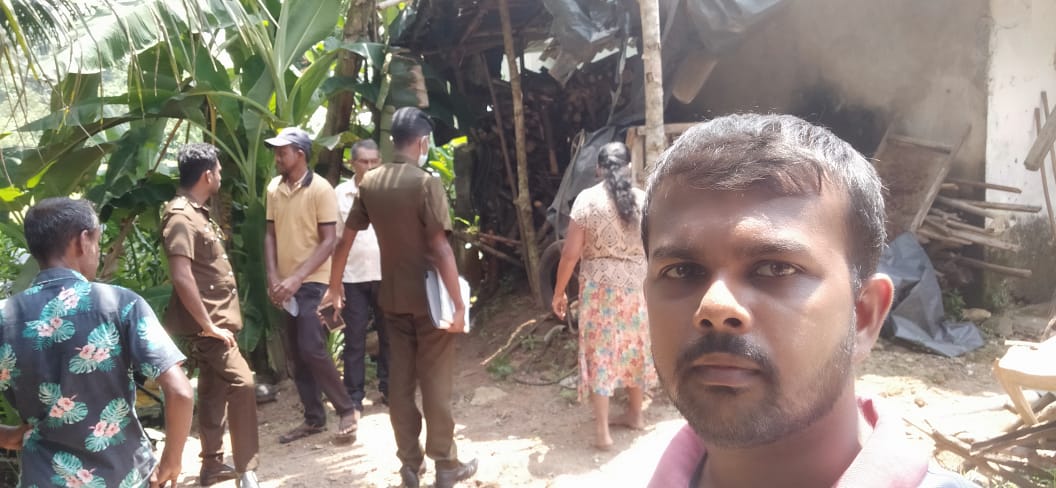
297 213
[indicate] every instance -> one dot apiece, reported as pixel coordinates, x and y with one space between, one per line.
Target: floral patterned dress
613 329
68 348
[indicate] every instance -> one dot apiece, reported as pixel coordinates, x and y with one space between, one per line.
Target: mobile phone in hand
329 319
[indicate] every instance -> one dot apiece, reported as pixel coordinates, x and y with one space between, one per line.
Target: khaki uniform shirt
406 205
188 231
297 213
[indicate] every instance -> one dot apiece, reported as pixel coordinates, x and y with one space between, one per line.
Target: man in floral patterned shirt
68 348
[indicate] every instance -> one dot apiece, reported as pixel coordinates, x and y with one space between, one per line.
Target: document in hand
441 306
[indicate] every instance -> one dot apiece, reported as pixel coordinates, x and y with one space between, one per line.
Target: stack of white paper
441 306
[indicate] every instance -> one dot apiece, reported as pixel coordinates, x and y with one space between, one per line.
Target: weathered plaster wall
1022 64
857 65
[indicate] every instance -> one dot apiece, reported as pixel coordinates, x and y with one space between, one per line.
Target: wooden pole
523 199
1006 270
1045 177
497 112
655 140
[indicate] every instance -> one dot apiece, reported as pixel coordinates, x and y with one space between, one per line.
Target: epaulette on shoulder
178 203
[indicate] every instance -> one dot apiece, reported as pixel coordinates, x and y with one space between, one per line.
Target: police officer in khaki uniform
408 209
204 309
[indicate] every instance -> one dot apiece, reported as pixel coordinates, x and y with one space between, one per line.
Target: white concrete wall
1022 64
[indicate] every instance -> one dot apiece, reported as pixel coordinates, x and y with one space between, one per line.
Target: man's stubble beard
776 415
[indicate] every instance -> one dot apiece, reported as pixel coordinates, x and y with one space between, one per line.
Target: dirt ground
538 436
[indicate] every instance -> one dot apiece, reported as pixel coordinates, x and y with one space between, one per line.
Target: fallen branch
468 238
513 337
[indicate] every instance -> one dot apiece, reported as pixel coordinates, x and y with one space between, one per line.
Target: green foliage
953 303
500 368
135 78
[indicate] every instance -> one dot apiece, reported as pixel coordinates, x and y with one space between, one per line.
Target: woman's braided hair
614 161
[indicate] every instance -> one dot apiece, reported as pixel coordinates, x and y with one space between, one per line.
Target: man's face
215 173
751 309
365 160
286 159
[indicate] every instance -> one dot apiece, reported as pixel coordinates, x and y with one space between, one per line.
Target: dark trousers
422 357
361 302
313 369
225 385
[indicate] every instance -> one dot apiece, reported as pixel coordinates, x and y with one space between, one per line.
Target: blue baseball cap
292 135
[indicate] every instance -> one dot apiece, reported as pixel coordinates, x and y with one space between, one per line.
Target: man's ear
83 242
871 307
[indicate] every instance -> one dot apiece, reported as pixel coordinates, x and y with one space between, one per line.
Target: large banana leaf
302 23
130 26
136 154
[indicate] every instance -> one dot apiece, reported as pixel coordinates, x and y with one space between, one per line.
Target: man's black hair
53 223
194 160
408 125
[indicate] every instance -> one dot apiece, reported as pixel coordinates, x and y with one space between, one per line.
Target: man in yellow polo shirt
301 233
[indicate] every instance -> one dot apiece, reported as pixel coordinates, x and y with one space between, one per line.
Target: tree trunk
655 140
523 200
341 105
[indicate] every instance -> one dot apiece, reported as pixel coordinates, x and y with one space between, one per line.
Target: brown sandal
300 432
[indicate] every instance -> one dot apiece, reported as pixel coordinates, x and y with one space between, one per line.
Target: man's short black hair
194 160
785 155
367 144
53 223
408 125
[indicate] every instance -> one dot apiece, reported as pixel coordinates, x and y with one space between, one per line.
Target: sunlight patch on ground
632 467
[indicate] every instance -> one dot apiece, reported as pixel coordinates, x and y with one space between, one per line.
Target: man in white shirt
362 277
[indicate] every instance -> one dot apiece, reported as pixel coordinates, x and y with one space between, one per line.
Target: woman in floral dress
605 231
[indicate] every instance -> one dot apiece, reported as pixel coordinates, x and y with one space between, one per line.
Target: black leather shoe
446 478
214 472
410 477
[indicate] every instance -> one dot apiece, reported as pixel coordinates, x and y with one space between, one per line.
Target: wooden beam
1011 207
931 233
933 190
966 207
935 146
989 241
1042 145
996 268
983 184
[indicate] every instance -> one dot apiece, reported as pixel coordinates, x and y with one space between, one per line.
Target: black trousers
361 302
313 369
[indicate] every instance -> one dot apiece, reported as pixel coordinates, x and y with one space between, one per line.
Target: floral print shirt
68 348
612 252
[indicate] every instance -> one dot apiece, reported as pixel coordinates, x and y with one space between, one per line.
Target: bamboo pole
523 200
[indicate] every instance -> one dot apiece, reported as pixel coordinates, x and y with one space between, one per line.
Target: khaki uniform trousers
226 394
421 356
